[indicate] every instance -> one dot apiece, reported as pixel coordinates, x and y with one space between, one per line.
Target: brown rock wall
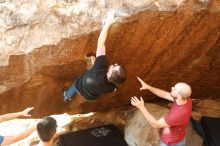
161 46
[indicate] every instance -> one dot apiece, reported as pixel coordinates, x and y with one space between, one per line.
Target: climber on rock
7 140
174 124
98 80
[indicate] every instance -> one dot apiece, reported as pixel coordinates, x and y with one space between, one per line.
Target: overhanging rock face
43 44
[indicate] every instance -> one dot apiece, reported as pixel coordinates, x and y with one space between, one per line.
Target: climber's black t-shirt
94 82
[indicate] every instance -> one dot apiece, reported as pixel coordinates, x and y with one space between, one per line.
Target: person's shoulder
100 57
100 62
1 139
190 104
189 101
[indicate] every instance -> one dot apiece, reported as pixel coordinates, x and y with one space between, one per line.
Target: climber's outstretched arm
103 35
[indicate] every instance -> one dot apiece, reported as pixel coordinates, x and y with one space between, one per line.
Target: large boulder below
43 44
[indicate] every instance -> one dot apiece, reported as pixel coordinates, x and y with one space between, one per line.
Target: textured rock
43 44
138 132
